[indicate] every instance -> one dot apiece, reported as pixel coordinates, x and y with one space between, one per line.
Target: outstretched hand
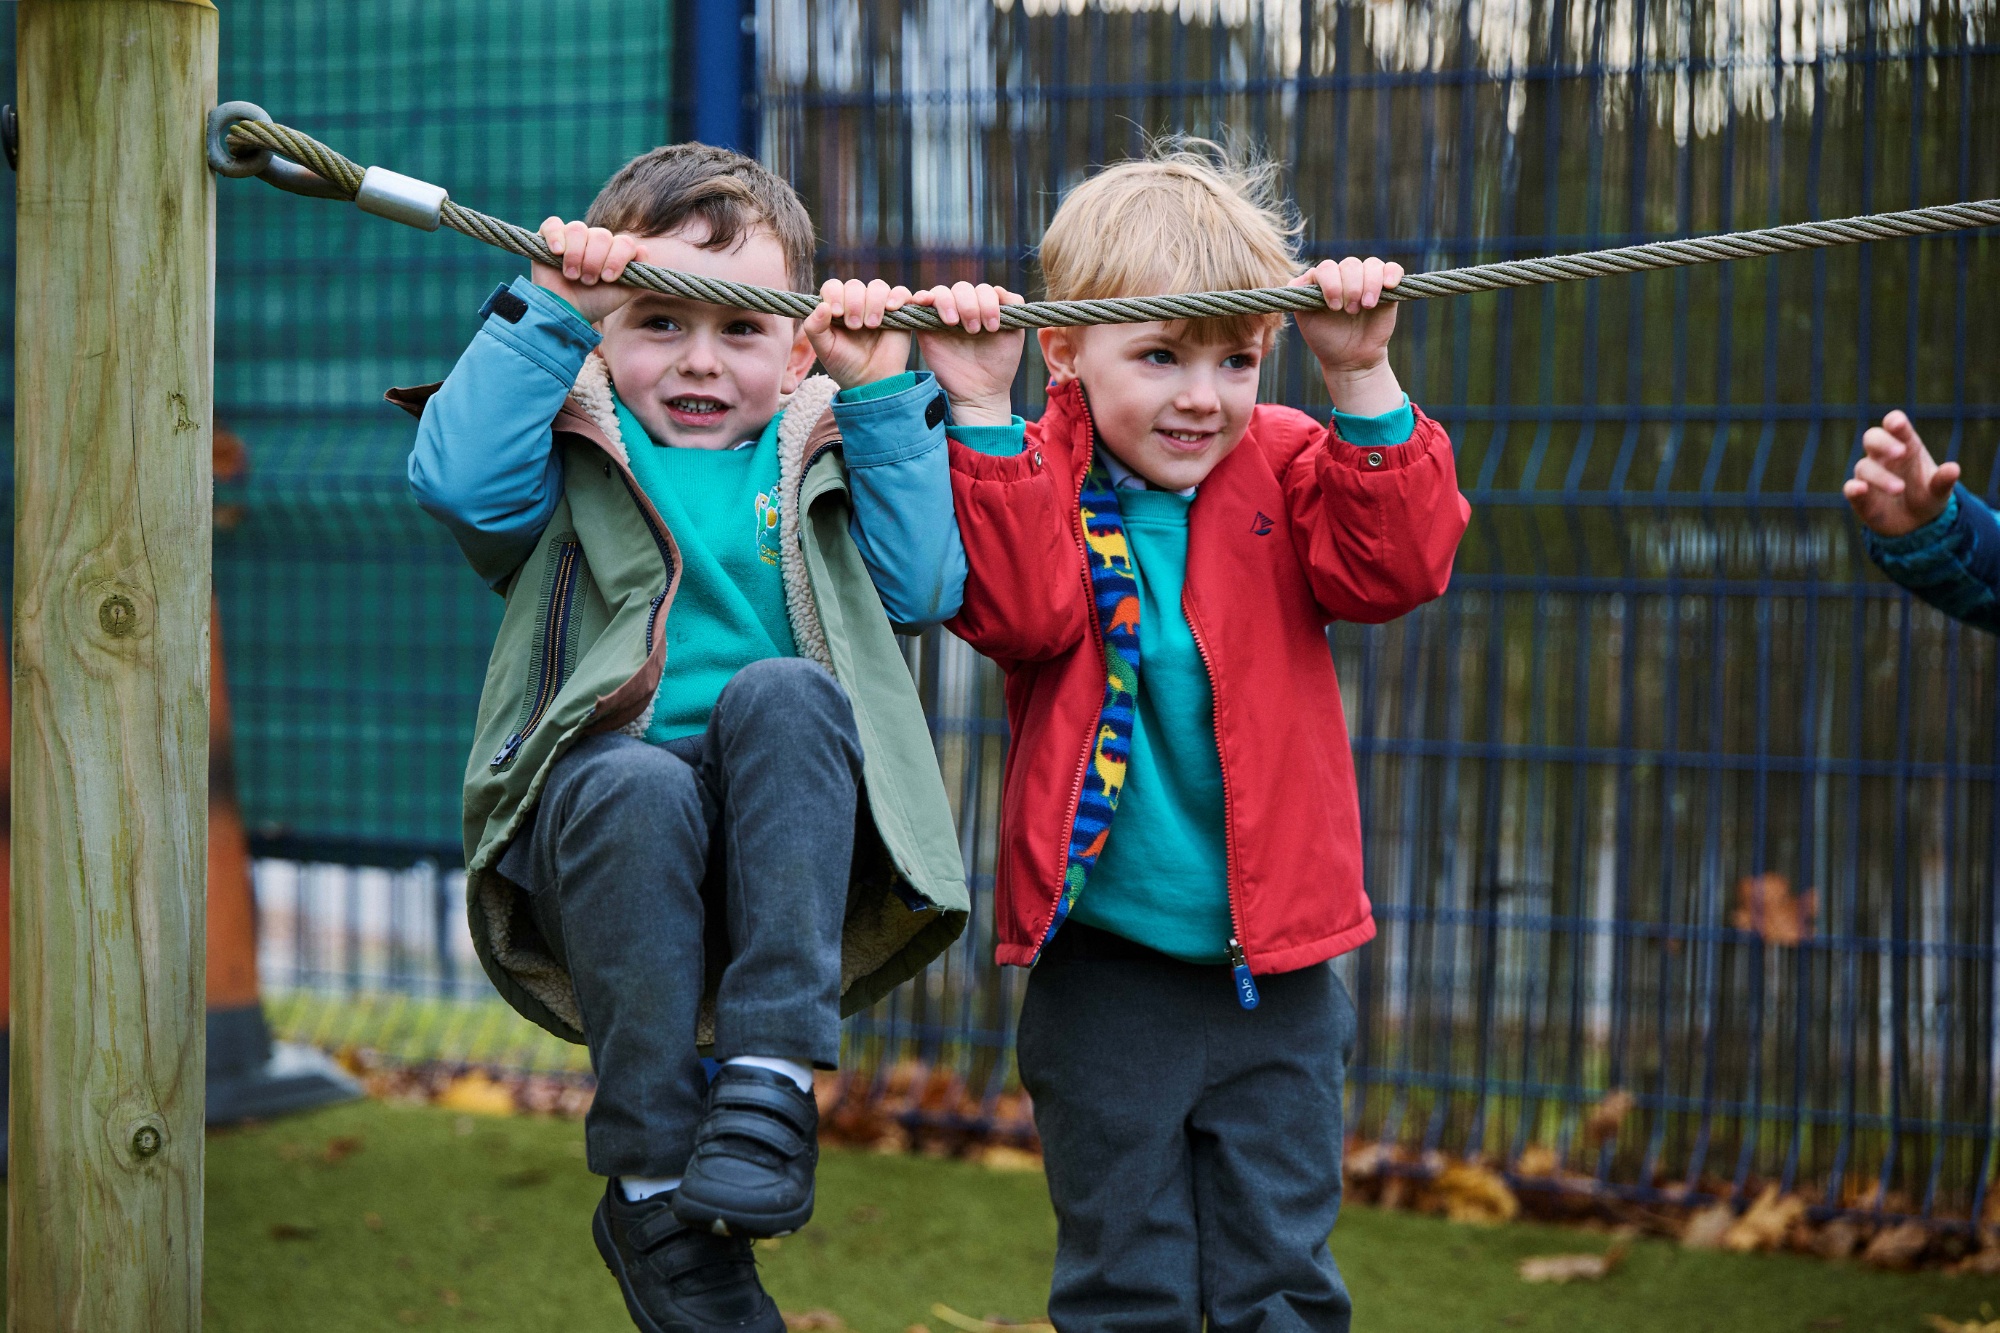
846 331
1897 487
973 359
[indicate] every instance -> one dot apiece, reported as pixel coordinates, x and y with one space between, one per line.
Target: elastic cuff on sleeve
882 388
893 427
998 441
1920 540
1389 428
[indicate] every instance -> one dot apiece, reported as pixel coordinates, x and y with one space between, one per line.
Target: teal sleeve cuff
561 301
1000 441
1920 541
1395 426
883 388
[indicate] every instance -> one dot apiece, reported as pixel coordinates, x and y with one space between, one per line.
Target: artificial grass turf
368 1217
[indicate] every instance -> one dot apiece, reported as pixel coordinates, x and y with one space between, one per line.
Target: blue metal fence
1672 795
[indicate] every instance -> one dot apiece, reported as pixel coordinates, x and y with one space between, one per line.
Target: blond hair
1188 217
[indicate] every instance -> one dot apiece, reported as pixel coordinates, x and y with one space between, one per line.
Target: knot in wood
117 616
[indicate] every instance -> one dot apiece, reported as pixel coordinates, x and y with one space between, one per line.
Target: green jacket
580 652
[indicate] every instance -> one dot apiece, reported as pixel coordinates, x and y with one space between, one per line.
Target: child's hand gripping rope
1351 336
1897 487
593 261
975 373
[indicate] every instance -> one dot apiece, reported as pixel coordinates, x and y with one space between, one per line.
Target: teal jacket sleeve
1952 562
484 463
898 473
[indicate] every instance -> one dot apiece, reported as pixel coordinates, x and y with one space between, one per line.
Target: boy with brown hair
702 808
1154 565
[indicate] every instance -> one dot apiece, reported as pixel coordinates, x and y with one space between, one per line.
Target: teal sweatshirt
722 507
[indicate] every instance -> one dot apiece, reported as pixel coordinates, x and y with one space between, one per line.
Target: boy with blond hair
1154 565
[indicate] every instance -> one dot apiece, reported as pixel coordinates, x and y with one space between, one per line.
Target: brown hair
1188 217
658 193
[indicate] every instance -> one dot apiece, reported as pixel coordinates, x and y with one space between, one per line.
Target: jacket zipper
552 657
1090 608
1239 962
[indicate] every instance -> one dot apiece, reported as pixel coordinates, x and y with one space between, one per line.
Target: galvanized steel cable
347 177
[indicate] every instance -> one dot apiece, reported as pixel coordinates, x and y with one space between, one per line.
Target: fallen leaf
448 1296
1608 1115
340 1148
1899 1247
1706 1227
1838 1239
1764 1223
814 1321
293 1231
1475 1194
970 1325
1986 1323
918 1328
1572 1267
373 1221
1001 1157
1536 1162
475 1094
769 1244
1767 907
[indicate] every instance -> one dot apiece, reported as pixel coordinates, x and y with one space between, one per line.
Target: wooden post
113 357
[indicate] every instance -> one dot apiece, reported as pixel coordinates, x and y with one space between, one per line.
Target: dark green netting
356 636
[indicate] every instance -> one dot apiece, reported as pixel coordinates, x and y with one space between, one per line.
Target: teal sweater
730 608
722 507
1163 879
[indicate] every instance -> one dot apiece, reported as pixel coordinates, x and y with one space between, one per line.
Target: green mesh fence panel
356 636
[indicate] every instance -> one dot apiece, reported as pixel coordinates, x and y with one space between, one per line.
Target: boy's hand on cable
846 331
592 261
1351 336
1897 487
973 360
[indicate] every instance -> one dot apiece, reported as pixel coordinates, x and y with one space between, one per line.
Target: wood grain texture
113 350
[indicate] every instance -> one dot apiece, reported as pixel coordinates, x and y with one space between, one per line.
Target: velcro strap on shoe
757 1126
654 1230
786 1103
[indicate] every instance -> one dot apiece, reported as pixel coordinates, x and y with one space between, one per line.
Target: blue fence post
723 44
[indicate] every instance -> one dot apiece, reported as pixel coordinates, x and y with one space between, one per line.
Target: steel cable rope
347 179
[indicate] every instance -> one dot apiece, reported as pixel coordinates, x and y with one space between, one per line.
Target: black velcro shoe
754 1156
677 1278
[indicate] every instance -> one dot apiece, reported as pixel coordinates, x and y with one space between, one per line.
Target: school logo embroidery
767 528
1261 525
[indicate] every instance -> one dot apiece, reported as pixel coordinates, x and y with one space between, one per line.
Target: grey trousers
646 864
1193 1147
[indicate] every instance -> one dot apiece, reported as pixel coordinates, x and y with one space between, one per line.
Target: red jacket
1294 529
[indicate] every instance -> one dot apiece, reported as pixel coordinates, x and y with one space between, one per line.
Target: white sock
797 1073
635 1188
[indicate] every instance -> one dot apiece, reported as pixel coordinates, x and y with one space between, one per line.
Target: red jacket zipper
1239 963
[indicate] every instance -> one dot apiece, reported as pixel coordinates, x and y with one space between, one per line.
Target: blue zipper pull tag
1246 985
508 749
